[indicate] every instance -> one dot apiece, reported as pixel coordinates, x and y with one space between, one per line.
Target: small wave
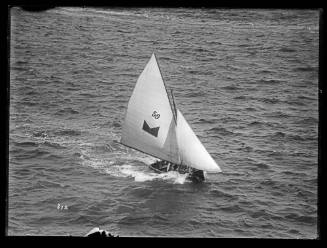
87 95
269 182
269 100
82 219
49 184
132 219
124 209
26 144
28 103
278 135
54 145
66 111
282 135
295 102
240 98
103 148
232 209
201 50
247 149
277 114
308 121
259 214
305 69
160 218
17 68
250 109
271 81
313 181
244 45
206 72
53 157
287 50
78 155
68 132
221 131
294 173
302 97
31 93
305 194
195 94
40 134
262 165
222 194
207 121
36 153
301 218
124 13
165 58
19 62
24 172
116 124
265 71
293 231
297 137
230 87
256 123
194 72
214 42
122 31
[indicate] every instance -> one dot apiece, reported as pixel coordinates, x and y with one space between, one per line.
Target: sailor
162 164
168 166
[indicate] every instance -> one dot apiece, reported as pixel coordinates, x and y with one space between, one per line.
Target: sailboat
155 126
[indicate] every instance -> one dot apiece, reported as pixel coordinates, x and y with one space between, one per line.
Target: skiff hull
197 176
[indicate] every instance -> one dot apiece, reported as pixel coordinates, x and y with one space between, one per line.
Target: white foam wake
120 165
141 174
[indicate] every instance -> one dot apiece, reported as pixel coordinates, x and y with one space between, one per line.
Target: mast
171 105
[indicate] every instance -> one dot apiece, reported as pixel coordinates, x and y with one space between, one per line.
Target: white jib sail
192 152
149 124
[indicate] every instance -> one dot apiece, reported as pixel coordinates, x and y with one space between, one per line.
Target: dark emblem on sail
153 131
155 115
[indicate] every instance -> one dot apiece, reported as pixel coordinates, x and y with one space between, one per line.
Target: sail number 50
155 115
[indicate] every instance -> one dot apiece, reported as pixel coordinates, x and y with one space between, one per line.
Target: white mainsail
149 123
192 152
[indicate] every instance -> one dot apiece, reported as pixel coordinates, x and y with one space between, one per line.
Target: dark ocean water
245 80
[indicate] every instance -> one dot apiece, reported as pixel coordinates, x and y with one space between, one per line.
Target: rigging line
165 88
175 111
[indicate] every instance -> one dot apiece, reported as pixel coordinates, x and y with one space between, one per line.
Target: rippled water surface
245 80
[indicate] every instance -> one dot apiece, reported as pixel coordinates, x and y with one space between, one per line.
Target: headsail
192 152
149 123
